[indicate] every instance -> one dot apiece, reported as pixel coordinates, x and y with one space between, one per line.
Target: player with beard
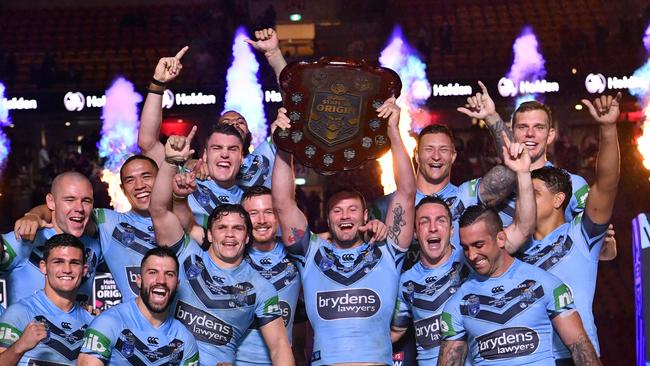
257 166
47 327
506 311
124 236
426 287
141 331
561 246
70 203
217 285
269 258
349 285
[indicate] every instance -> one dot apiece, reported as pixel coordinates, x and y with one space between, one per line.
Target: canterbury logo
347 257
66 325
152 340
265 261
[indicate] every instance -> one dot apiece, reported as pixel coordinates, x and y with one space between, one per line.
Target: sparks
244 93
5 120
119 134
416 89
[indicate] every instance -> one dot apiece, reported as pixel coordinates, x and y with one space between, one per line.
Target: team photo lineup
220 261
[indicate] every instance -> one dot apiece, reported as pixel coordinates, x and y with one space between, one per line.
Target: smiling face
158 281
483 249
345 216
433 230
137 179
532 128
260 209
64 269
435 156
228 236
71 202
224 158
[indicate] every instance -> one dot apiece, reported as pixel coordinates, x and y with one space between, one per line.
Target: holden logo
595 83
168 99
74 101
507 87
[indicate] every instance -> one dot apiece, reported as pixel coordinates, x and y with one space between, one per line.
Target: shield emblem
473 305
332 108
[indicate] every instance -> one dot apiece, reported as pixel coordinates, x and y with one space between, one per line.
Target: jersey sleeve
12 324
560 298
396 252
451 321
590 234
106 221
267 307
101 336
402 315
300 249
466 195
578 200
13 251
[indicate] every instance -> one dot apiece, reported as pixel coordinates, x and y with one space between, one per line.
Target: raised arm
275 337
602 194
292 221
167 226
401 210
267 42
497 183
167 69
183 185
516 158
569 327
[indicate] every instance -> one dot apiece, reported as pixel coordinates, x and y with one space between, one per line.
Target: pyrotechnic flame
119 133
244 93
416 89
527 63
643 96
5 120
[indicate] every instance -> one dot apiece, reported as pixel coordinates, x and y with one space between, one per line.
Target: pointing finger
506 139
483 88
190 136
180 53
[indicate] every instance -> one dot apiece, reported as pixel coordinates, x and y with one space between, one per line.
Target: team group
215 256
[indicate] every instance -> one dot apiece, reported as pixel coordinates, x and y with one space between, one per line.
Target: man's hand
33 333
480 106
267 41
376 229
169 68
199 167
391 111
178 148
515 155
27 226
605 109
184 184
281 121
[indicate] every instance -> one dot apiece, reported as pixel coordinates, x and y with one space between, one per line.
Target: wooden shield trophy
332 106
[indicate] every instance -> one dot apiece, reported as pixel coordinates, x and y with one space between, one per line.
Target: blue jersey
122 335
210 195
276 267
218 305
350 297
124 238
576 205
423 293
506 320
256 168
21 265
65 330
571 246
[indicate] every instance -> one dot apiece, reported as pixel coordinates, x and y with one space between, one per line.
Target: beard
154 308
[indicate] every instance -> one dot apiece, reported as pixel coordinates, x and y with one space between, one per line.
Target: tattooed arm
569 327
452 353
401 211
292 221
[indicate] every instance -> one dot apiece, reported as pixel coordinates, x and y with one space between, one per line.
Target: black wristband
154 91
175 161
156 82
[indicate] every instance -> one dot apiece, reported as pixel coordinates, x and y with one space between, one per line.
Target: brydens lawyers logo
353 303
507 343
